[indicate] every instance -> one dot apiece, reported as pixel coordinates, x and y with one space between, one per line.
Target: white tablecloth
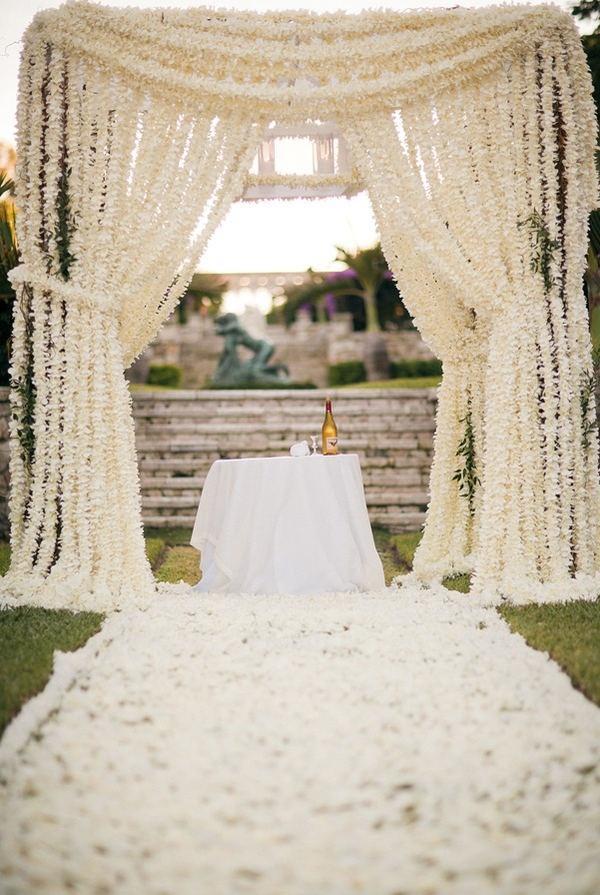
288 525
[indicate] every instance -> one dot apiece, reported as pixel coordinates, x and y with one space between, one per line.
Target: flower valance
300 64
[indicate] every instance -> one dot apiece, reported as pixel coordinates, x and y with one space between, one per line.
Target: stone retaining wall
181 433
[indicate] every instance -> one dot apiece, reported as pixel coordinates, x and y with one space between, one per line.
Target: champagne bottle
329 431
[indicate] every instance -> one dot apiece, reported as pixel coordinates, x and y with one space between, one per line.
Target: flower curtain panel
474 133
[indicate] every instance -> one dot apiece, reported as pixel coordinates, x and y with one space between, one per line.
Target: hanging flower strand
466 474
474 132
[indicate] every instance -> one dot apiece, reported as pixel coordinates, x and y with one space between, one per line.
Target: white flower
136 131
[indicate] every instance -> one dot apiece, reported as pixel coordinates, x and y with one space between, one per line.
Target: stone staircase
180 434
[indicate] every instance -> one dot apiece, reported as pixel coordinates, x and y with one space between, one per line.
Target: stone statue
232 372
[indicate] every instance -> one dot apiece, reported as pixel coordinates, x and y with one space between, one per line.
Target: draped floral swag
474 133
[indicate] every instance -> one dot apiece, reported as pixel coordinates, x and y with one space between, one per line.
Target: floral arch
474 132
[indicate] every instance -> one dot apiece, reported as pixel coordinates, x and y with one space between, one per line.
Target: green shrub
347 372
167 375
261 386
401 369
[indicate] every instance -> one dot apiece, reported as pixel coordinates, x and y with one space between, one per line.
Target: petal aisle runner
370 744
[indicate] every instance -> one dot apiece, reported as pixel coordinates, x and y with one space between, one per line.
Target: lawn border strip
65 670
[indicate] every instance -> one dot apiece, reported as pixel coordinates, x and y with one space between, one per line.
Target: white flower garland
137 130
306 181
446 755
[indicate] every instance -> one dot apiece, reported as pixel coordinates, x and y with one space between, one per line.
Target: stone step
395 521
416 498
198 410
180 520
199 463
152 466
273 396
259 444
177 484
304 420
182 430
398 521
391 478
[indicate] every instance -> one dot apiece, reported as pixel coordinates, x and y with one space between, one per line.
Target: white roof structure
308 160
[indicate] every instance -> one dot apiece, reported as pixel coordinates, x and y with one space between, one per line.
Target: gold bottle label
331 445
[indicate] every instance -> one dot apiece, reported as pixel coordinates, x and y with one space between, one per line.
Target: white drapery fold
474 131
482 195
121 192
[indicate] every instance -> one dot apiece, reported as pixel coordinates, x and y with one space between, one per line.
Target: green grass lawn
156 550
404 382
172 537
570 633
595 327
144 387
4 557
181 564
28 638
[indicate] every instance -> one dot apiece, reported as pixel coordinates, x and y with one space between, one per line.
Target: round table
287 525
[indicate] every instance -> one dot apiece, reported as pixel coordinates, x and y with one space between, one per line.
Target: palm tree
371 271
205 292
365 275
311 293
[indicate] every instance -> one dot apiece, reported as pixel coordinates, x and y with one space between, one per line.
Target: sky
287 235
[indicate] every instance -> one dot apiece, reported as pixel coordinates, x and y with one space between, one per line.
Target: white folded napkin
300 449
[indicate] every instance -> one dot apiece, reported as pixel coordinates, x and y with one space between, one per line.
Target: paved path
392 744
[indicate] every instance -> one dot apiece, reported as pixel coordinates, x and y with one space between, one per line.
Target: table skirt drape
286 525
